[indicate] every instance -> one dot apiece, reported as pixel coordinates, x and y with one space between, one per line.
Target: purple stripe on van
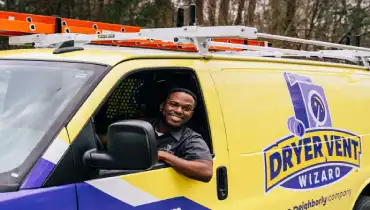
55 198
38 174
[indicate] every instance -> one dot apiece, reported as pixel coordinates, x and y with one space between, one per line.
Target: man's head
178 107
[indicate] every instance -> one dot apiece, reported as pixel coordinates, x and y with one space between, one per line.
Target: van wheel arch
362 203
358 197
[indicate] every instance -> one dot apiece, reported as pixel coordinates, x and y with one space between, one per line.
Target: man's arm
200 170
193 159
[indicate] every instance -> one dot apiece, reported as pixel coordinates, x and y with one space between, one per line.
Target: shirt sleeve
195 148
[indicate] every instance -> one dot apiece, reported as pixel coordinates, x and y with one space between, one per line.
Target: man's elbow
207 176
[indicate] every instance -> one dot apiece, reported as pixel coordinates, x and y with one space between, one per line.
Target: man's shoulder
189 134
190 130
193 146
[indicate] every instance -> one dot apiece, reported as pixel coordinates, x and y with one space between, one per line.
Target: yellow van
285 132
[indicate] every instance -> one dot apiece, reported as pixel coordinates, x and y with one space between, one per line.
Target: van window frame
199 93
201 101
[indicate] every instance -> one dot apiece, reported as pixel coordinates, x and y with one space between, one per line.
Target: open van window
139 95
34 96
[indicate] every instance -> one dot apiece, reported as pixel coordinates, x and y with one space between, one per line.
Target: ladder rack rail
279 52
312 42
187 35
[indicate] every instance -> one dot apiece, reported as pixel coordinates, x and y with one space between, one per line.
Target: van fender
358 193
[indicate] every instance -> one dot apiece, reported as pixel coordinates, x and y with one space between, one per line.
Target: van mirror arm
100 160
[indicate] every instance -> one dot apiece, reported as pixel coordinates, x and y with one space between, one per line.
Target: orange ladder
16 24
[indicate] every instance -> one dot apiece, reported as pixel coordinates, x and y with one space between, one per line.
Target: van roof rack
15 24
50 31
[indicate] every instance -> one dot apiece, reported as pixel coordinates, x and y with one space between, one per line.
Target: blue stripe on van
38 174
89 198
56 198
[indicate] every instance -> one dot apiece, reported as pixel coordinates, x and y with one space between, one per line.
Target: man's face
178 109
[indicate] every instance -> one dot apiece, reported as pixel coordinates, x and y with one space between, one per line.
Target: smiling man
179 146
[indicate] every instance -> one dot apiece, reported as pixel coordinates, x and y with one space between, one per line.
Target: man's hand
200 170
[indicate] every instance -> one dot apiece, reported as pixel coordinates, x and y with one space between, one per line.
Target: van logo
314 154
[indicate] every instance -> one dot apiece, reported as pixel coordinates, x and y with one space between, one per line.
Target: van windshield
33 95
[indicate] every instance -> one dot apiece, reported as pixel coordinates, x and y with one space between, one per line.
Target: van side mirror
131 146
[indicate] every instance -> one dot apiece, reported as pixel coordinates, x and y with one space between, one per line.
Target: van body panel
292 135
257 105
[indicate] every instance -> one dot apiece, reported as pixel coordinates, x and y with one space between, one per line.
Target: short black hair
183 90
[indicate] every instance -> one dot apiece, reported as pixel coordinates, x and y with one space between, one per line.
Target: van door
293 143
161 188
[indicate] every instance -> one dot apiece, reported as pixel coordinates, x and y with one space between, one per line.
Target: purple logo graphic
309 103
315 154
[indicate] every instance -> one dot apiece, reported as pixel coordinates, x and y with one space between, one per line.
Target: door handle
222 185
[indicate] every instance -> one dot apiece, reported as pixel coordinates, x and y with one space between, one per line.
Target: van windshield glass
32 96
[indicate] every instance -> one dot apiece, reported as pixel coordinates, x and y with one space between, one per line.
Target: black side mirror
131 146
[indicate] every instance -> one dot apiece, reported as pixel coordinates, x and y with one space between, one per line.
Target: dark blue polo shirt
184 143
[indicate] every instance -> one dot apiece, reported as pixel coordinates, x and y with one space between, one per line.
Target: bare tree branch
239 13
212 12
224 12
251 12
199 11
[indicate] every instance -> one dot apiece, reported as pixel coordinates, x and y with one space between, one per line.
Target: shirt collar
175 133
